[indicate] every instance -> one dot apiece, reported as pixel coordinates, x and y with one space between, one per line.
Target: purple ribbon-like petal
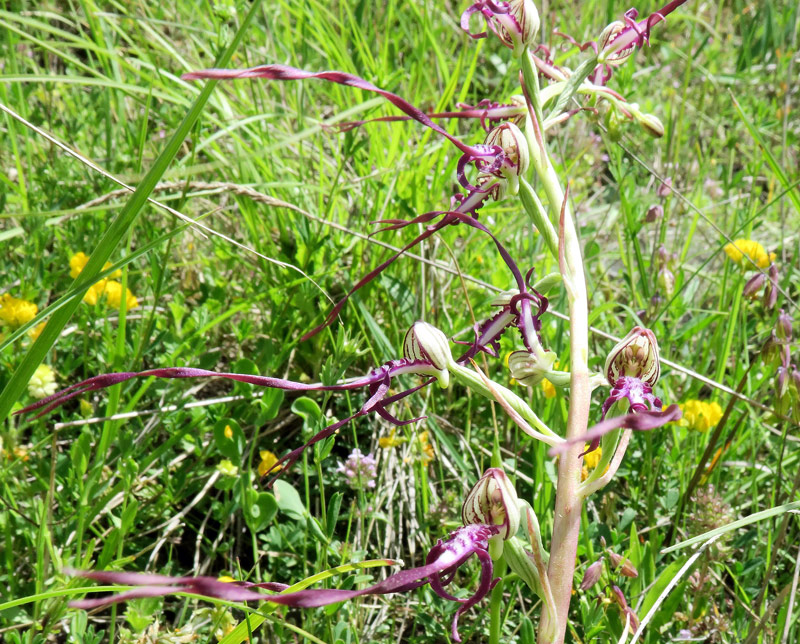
640 421
286 73
442 561
377 381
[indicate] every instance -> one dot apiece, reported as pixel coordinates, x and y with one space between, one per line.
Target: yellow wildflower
36 331
93 294
268 459
226 578
590 461
19 453
700 416
755 251
426 449
387 442
16 312
112 290
78 262
422 450
43 382
113 293
548 388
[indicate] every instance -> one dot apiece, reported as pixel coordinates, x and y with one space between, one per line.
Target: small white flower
43 382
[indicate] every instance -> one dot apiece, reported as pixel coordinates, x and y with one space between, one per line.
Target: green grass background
260 166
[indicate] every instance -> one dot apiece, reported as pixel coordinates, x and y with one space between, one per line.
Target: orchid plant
512 162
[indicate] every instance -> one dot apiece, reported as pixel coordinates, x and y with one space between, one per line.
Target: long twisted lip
440 568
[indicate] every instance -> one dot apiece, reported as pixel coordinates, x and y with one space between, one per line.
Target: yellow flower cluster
390 441
752 249
590 461
421 448
15 312
700 416
18 453
43 382
268 459
111 289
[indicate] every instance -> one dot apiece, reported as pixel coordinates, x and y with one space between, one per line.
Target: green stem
470 379
566 524
496 604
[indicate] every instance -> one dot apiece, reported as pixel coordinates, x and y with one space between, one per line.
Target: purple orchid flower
494 163
618 40
621 42
639 394
377 383
515 23
632 368
640 421
441 565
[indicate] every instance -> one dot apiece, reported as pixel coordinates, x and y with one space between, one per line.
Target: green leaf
334 507
230 439
289 500
260 509
309 411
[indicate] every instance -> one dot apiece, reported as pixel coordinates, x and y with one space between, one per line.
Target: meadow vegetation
167 476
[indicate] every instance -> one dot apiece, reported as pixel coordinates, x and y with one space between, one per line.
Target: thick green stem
567 520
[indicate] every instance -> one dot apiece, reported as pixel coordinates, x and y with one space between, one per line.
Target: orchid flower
489 113
500 160
515 23
490 512
377 383
618 40
441 565
486 158
632 368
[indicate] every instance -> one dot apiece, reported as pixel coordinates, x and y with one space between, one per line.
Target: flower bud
592 575
627 569
651 124
514 145
771 292
519 27
424 341
771 349
604 44
613 122
530 369
754 285
665 188
666 280
636 356
783 327
619 597
493 501
654 213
